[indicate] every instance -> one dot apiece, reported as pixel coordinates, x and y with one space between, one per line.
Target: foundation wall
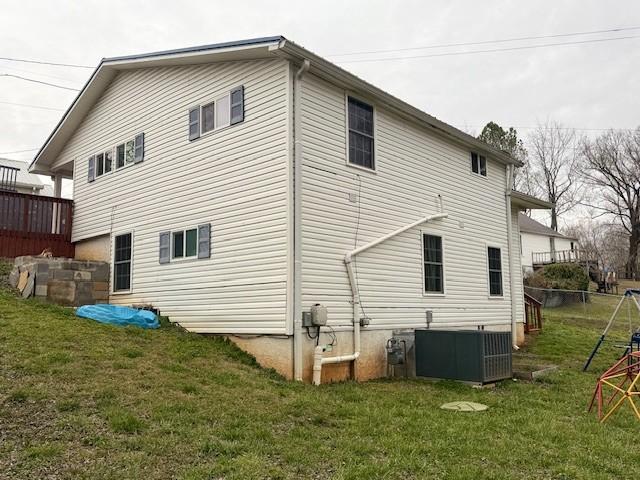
95 249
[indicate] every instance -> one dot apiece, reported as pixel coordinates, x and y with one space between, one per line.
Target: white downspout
512 277
297 220
318 359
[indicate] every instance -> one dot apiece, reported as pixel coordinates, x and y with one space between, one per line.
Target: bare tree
612 170
555 167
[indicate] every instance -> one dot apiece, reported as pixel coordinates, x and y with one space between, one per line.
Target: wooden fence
31 223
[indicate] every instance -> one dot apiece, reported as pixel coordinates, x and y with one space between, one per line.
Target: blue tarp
117 315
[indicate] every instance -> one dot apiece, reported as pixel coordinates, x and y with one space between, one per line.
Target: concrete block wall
66 281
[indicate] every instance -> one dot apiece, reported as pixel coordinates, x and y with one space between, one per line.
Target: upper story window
478 164
433 264
126 153
494 260
361 141
226 110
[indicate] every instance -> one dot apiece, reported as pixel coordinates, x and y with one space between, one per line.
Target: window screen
99 164
178 244
129 151
494 258
433 271
122 263
223 116
207 117
108 161
120 155
360 133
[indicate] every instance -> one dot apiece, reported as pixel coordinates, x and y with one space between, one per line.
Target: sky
590 86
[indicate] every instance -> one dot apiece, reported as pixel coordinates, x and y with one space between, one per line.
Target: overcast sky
589 86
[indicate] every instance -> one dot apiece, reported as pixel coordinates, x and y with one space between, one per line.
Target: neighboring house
540 245
229 185
20 180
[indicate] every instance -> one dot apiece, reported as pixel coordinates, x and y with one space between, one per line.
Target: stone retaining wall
62 280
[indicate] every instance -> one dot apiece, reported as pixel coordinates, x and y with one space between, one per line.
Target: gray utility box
469 355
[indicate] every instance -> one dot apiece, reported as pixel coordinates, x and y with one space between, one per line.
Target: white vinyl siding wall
236 179
413 167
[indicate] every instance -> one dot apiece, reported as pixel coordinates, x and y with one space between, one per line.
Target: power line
19 151
504 40
23 60
470 52
32 106
553 128
38 81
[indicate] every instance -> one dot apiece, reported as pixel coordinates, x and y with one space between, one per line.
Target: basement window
478 164
433 264
122 263
494 261
360 141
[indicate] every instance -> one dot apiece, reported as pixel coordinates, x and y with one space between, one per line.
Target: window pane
433 278
122 276
191 243
495 262
360 150
474 162
495 270
129 152
108 161
178 244
432 249
360 117
99 164
223 112
123 248
207 118
495 283
120 155
483 166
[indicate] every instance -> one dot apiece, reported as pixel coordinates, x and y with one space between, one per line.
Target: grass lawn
89 401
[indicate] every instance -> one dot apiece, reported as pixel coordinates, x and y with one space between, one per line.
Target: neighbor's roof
529 225
265 47
23 178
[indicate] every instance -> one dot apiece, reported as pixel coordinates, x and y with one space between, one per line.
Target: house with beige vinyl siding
253 189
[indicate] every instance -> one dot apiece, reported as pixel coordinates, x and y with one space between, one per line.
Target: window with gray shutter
204 240
92 169
165 247
237 105
138 148
194 123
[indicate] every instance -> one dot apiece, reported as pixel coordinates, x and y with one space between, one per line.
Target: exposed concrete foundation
94 249
277 352
64 281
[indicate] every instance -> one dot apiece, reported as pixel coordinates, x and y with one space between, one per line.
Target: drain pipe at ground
318 358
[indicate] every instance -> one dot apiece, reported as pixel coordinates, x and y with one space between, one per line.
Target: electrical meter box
318 315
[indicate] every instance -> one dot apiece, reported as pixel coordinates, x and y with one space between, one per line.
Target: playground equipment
628 296
624 378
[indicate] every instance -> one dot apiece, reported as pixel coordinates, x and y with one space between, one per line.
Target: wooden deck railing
533 314
559 256
8 177
31 223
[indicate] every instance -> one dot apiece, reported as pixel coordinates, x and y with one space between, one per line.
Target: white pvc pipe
318 359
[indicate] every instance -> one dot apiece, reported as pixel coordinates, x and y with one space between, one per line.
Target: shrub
560 276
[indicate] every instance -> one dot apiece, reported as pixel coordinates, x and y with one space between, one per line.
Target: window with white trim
126 153
184 243
478 164
494 262
433 264
122 253
226 110
361 141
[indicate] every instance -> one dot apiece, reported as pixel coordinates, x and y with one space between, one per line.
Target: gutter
318 359
512 277
297 220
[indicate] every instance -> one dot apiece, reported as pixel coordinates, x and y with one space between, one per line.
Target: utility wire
470 52
38 81
32 106
504 40
19 151
23 60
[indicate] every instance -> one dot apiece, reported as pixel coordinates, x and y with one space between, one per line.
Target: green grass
83 400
